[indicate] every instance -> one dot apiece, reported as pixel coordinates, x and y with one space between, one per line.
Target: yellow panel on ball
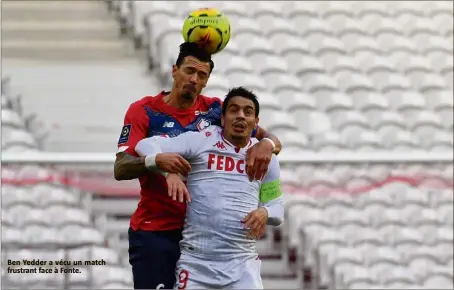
208 27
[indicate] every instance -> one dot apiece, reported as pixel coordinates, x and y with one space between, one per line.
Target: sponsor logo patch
202 124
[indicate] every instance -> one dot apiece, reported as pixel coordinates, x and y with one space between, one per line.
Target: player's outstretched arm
168 154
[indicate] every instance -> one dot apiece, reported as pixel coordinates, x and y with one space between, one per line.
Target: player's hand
172 163
177 190
257 160
255 221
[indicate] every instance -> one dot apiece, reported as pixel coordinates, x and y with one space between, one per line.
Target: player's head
240 113
191 71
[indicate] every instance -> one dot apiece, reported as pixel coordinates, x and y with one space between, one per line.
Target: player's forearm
262 133
129 167
148 146
275 210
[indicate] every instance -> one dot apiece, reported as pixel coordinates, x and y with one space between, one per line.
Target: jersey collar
237 149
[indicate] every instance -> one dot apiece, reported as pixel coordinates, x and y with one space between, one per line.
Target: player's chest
162 124
219 159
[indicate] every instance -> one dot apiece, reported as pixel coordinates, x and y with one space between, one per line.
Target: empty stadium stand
353 76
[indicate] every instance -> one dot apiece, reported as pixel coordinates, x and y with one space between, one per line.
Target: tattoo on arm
129 167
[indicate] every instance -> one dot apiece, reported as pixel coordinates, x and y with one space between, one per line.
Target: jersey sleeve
187 145
135 128
271 193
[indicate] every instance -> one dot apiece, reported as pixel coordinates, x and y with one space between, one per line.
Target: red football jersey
151 116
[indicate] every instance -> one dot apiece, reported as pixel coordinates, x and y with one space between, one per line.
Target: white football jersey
221 192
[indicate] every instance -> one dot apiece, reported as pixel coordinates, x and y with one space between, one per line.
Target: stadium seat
320 44
149 10
276 120
11 235
343 24
413 24
48 195
233 10
251 81
428 43
389 81
377 24
233 65
86 235
335 61
12 136
350 82
292 141
11 118
355 43
311 27
255 46
220 82
286 45
278 81
335 103
272 24
311 123
270 64
304 66
370 102
246 27
41 235
64 215
406 101
443 22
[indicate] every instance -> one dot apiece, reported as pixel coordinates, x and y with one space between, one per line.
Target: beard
188 93
187 96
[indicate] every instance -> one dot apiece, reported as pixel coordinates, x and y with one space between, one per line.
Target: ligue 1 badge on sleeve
124 137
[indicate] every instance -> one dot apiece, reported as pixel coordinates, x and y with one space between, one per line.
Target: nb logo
168 124
220 145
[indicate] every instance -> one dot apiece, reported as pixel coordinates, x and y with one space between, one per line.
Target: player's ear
174 71
256 122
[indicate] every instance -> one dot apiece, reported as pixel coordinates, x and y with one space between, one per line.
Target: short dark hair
192 49
244 93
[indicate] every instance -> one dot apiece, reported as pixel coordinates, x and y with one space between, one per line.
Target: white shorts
195 273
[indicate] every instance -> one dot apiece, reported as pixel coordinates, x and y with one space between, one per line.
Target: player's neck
239 143
175 100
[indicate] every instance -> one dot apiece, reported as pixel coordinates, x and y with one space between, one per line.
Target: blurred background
359 92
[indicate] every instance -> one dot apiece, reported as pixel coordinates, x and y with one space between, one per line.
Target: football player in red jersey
156 225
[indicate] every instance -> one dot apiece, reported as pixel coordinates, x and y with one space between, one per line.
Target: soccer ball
209 28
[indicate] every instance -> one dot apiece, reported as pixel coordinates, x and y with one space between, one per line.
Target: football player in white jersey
217 250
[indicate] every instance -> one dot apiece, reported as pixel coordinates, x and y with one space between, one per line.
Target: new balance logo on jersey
220 145
168 124
225 163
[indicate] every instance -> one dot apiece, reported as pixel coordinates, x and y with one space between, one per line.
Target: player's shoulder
209 132
148 101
